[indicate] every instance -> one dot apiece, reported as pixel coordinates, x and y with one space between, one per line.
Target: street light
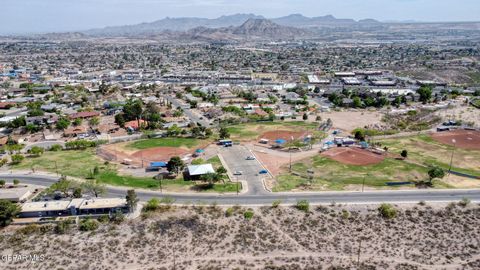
451 158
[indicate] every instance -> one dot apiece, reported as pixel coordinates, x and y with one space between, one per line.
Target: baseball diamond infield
466 139
353 156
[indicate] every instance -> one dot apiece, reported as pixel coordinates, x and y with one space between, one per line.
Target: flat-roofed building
80 206
17 194
351 81
344 74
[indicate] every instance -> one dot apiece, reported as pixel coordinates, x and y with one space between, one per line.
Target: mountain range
236 20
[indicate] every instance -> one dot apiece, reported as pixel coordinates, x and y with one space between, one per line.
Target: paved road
188 112
407 196
236 159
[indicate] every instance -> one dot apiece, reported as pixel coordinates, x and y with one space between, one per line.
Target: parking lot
236 159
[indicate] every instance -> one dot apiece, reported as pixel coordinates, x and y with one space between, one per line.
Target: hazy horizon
31 16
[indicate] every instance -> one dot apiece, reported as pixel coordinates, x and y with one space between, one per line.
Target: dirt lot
460 112
350 120
466 139
204 237
353 156
116 153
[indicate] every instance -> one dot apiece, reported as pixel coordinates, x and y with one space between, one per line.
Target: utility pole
160 178
359 251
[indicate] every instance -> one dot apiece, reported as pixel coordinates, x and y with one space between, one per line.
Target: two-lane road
405 196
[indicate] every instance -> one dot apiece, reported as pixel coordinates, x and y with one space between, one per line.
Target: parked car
263 172
250 158
237 173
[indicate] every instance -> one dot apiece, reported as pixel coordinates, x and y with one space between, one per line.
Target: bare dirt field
115 153
283 134
460 112
206 237
353 156
350 120
466 139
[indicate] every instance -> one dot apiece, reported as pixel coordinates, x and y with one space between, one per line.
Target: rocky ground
212 237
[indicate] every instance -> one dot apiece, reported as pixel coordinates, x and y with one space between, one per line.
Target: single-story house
83 115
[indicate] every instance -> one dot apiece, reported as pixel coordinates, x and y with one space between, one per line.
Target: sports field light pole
451 158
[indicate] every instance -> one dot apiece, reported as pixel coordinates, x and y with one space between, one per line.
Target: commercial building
73 207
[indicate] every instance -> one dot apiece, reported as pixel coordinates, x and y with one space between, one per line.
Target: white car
237 173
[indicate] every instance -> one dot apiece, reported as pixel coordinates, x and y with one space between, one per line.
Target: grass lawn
215 161
164 142
251 131
332 175
422 149
79 163
71 163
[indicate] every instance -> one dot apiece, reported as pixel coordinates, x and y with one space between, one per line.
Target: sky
41 16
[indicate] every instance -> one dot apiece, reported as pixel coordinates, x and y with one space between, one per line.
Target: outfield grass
333 175
422 149
164 142
79 164
250 131
76 163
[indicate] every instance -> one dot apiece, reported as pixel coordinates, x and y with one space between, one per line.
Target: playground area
466 139
353 156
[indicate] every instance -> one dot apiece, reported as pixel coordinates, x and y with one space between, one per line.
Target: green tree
36 151
120 120
93 187
224 133
63 185
357 102
62 123
32 128
404 153
221 170
2 183
360 134
133 109
94 121
17 158
208 132
305 117
16 182
132 199
435 172
77 122
8 211
425 93
175 164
